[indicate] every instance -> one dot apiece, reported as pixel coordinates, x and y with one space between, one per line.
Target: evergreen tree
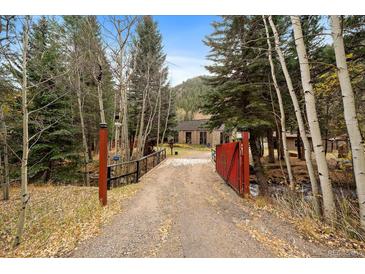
149 79
49 109
240 71
190 95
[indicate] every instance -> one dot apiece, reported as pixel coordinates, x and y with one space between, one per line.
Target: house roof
195 125
192 125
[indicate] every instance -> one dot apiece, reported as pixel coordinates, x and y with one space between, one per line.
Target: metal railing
132 171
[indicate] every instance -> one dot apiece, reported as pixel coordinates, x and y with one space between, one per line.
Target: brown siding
181 138
212 138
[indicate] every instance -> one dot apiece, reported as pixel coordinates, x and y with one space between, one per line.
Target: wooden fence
132 171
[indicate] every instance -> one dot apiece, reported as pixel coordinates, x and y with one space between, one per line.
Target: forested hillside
190 95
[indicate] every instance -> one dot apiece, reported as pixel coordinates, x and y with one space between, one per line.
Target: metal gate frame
233 164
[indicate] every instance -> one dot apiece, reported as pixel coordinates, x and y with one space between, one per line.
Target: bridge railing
132 171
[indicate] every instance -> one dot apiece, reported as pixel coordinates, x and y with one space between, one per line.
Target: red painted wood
232 164
103 163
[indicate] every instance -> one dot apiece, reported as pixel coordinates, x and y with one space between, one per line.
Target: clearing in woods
184 209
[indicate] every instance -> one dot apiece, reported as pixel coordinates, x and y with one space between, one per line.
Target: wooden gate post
103 163
245 160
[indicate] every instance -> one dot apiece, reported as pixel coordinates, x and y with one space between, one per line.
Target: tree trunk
123 104
277 130
83 132
299 146
158 116
282 112
24 167
259 172
298 115
139 138
326 186
270 144
91 145
124 128
278 143
151 116
101 104
352 124
6 182
167 117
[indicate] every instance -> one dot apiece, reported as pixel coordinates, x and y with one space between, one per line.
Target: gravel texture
184 209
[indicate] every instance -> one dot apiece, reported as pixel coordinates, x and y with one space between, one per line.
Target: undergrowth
58 218
345 230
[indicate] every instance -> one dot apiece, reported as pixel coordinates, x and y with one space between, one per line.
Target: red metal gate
232 164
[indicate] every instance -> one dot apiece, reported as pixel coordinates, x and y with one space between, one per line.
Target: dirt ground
184 209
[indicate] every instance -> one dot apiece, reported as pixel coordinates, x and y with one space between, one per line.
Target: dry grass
279 247
58 218
184 149
344 233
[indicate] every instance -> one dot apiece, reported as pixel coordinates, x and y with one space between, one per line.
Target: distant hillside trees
190 96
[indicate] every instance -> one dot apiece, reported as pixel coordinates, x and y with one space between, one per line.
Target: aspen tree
281 107
24 167
352 124
303 135
310 104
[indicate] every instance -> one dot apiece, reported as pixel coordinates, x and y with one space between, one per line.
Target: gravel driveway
184 209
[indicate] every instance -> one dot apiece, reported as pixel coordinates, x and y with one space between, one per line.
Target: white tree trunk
167 117
116 123
124 130
139 149
83 131
101 104
24 167
352 124
282 112
6 183
298 115
158 117
152 115
310 103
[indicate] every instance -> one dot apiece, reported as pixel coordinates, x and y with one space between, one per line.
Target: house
194 132
330 145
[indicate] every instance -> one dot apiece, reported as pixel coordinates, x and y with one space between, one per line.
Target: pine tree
240 68
49 109
148 83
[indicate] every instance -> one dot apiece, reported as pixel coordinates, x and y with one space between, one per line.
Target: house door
188 137
203 137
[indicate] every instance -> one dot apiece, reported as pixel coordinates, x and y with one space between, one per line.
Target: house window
188 137
203 137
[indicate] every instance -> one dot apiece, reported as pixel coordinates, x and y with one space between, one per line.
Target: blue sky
182 39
